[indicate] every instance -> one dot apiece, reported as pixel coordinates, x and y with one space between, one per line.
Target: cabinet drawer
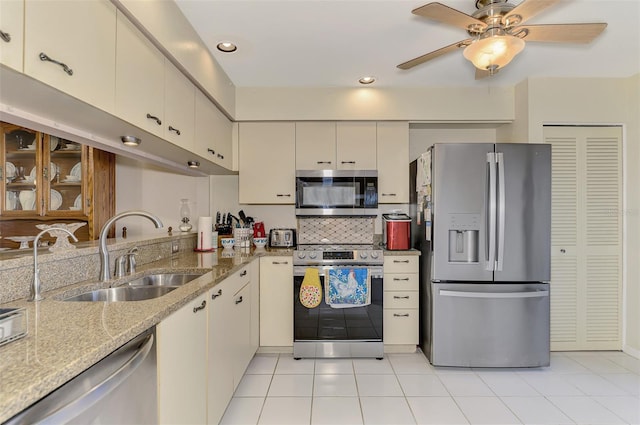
401 264
400 299
401 326
401 282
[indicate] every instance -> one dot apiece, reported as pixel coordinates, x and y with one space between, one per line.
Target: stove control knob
301 254
374 254
313 255
363 255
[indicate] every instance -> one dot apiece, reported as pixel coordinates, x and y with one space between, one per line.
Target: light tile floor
578 388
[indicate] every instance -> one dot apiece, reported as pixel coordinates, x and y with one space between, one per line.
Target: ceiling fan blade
527 10
432 55
448 15
561 33
483 73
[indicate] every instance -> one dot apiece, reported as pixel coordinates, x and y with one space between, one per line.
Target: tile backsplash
336 230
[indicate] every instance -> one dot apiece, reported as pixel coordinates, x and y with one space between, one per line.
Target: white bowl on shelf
227 243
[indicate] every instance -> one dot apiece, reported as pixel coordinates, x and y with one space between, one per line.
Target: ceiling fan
497 33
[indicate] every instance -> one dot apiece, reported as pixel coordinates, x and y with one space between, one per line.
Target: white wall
141 186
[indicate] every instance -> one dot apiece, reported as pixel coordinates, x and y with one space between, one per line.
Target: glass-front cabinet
48 180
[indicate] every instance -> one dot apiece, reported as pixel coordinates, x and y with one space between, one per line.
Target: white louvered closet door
586 237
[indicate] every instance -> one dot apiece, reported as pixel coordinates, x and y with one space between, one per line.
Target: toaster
282 238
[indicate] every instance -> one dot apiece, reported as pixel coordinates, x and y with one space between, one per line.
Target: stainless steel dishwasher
119 389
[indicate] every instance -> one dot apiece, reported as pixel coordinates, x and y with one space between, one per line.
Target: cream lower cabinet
11 33
393 162
401 302
267 162
276 301
182 365
80 36
229 339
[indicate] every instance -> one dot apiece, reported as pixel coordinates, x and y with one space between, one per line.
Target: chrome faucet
35 286
105 271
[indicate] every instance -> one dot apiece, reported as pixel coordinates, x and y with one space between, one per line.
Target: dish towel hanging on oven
311 290
348 287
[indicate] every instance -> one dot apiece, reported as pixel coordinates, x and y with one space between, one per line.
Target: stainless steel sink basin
123 293
163 279
143 288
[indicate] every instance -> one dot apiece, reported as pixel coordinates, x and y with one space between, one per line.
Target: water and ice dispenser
464 235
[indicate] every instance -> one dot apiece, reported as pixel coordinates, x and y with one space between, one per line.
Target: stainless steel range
332 328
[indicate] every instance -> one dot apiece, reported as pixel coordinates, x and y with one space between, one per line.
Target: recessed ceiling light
367 80
130 140
193 164
227 47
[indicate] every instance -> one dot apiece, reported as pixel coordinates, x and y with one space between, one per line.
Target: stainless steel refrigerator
482 219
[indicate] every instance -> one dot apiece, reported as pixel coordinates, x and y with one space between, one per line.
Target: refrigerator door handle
501 209
463 294
491 213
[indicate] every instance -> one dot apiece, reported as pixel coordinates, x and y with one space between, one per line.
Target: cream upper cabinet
11 33
139 79
393 162
315 145
267 162
182 365
213 133
71 45
276 301
179 108
356 145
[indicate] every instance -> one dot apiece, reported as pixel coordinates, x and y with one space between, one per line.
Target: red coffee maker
396 231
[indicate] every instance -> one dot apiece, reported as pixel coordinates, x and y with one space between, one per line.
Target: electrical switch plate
175 247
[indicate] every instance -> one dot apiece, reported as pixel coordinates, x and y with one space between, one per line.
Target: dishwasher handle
63 406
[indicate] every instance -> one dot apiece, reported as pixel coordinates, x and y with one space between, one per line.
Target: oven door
336 192
326 323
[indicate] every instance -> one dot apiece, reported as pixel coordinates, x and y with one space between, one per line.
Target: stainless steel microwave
336 192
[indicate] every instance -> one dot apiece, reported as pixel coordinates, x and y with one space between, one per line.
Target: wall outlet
175 247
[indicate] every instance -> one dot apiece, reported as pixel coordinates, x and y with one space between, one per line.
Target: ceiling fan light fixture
367 80
493 52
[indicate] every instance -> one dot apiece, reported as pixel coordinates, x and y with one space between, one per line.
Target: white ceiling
332 43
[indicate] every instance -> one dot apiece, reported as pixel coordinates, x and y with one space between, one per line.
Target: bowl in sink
123 293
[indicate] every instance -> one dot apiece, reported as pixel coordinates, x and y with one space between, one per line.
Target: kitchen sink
140 289
123 293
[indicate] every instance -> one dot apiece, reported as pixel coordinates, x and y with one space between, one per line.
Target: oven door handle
375 272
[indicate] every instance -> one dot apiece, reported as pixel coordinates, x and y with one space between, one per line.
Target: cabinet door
401 326
213 133
267 163
219 356
356 145
139 79
255 306
21 162
276 301
241 320
179 108
393 162
315 145
182 362
11 33
82 36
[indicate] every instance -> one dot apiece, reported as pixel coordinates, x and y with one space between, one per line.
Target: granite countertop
66 338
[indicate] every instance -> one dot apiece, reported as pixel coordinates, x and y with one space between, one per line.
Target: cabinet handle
563 250
243 273
399 279
211 151
239 300
220 156
156 119
174 129
406 297
388 194
400 261
347 162
281 195
323 162
5 36
279 262
65 68
216 295
200 307
400 315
